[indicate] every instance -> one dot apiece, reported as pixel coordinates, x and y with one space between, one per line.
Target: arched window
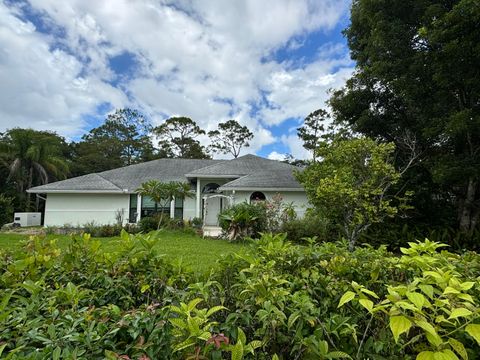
257 196
210 188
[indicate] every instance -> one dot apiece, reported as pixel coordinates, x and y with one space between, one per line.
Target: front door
212 209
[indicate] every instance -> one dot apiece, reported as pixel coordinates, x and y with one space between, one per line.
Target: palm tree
32 158
164 193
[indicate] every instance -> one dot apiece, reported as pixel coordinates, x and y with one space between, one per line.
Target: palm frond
40 170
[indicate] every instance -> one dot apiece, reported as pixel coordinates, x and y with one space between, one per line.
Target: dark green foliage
308 227
178 138
123 139
395 236
148 224
6 210
416 84
32 158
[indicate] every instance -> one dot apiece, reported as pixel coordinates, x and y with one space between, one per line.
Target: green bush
243 220
197 222
308 227
397 235
310 301
6 210
148 223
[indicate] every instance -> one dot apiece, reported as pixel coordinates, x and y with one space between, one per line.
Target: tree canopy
123 139
32 158
418 64
178 138
352 184
230 138
312 129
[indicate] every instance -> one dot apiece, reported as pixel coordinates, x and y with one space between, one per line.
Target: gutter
33 191
221 188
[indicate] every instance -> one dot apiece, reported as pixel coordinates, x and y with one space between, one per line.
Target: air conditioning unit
28 219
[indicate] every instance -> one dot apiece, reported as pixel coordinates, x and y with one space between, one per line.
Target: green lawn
198 253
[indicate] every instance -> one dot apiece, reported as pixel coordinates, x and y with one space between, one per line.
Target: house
104 197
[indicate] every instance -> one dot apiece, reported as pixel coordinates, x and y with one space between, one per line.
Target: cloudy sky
65 64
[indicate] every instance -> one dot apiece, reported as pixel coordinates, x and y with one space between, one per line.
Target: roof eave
51 191
204 176
252 188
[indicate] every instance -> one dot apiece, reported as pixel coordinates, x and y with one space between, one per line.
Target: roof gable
90 182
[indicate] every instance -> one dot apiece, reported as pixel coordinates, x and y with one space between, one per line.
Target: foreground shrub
278 300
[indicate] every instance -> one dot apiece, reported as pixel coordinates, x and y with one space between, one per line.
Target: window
148 207
210 188
257 196
133 209
178 209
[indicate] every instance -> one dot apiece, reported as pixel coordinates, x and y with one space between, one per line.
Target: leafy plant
242 220
434 312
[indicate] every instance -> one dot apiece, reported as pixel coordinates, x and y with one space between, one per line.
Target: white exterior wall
298 198
79 209
189 208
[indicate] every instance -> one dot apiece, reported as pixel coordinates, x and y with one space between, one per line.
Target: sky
65 65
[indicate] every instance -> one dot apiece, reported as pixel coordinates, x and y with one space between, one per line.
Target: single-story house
103 197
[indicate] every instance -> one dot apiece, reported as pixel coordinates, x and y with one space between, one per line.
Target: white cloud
43 88
295 146
202 59
276 156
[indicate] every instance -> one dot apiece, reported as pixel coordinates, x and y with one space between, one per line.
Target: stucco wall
79 209
189 209
298 198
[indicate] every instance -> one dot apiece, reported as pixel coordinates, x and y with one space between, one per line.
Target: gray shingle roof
129 177
251 172
243 165
273 179
90 182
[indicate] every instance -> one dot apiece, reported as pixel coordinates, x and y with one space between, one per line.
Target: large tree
352 183
312 129
178 137
32 158
230 138
123 139
418 65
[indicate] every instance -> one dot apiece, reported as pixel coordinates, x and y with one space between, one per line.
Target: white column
172 208
197 210
139 207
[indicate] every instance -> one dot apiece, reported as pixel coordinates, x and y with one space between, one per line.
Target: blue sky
64 65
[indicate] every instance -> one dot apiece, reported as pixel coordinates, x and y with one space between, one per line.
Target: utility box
28 219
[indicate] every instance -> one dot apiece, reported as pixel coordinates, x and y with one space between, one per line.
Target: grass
192 250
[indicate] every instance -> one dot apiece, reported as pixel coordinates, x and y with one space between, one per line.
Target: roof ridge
211 165
111 182
157 160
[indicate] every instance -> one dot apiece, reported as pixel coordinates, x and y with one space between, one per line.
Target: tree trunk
30 182
467 207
